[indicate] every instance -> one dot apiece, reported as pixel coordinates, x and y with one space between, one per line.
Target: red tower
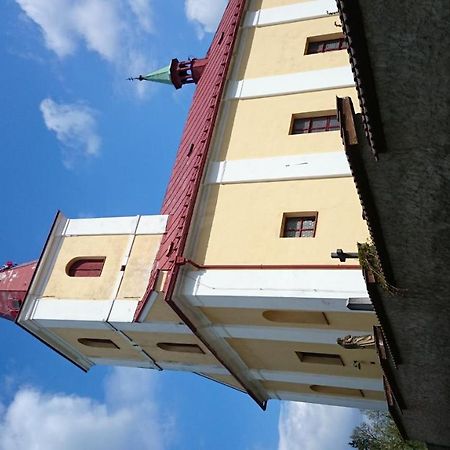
177 72
14 284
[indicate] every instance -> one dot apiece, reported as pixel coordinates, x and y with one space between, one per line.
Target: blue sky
76 136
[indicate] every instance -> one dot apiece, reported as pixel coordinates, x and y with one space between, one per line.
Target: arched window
98 343
85 267
179 347
313 317
331 390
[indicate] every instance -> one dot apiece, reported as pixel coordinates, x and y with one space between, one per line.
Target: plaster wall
281 356
260 127
242 223
280 48
336 320
115 249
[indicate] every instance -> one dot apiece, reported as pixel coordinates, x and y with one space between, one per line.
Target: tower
235 280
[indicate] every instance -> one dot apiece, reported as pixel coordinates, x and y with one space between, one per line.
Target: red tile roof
187 173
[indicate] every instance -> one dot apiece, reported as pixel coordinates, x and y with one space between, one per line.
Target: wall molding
292 167
292 83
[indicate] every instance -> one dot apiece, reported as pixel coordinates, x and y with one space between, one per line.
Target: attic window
98 343
85 267
180 347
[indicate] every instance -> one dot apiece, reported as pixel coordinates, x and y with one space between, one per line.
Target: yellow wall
114 248
254 317
260 127
280 49
306 389
243 222
280 355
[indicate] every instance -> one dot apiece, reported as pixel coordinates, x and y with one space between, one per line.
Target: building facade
235 279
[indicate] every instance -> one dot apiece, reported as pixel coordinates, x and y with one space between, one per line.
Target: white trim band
287 334
117 225
292 83
293 167
370 384
348 402
290 289
289 13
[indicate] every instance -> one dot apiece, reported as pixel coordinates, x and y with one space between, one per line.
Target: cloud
113 29
128 418
143 13
75 128
305 426
206 14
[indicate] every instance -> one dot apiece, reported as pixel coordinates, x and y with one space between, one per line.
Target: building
403 159
235 279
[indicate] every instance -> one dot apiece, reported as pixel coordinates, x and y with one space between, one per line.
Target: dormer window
85 267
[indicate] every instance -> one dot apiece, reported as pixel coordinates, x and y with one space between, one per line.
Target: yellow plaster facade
242 223
114 248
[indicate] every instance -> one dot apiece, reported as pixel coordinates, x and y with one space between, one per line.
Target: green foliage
378 432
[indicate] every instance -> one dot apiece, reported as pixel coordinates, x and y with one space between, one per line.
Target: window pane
308 223
331 45
334 123
307 233
315 47
343 44
318 123
300 126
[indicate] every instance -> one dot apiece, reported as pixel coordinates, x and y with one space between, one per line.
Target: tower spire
177 73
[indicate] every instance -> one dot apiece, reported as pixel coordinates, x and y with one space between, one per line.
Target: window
320 358
326 45
98 343
304 125
179 347
302 225
85 267
314 317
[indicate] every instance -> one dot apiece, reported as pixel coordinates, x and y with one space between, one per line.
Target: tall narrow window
85 267
304 125
301 225
326 45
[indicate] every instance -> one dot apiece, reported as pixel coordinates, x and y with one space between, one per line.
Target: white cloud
206 14
75 128
113 29
128 418
143 13
305 426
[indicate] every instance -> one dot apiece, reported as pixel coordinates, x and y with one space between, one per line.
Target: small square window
299 225
314 124
325 45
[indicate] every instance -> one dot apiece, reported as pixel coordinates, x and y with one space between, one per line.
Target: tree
379 432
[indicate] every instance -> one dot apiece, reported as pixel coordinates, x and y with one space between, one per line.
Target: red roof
187 173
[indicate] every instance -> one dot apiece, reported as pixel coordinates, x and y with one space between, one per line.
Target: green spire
159 76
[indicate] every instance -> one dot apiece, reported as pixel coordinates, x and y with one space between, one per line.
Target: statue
357 342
